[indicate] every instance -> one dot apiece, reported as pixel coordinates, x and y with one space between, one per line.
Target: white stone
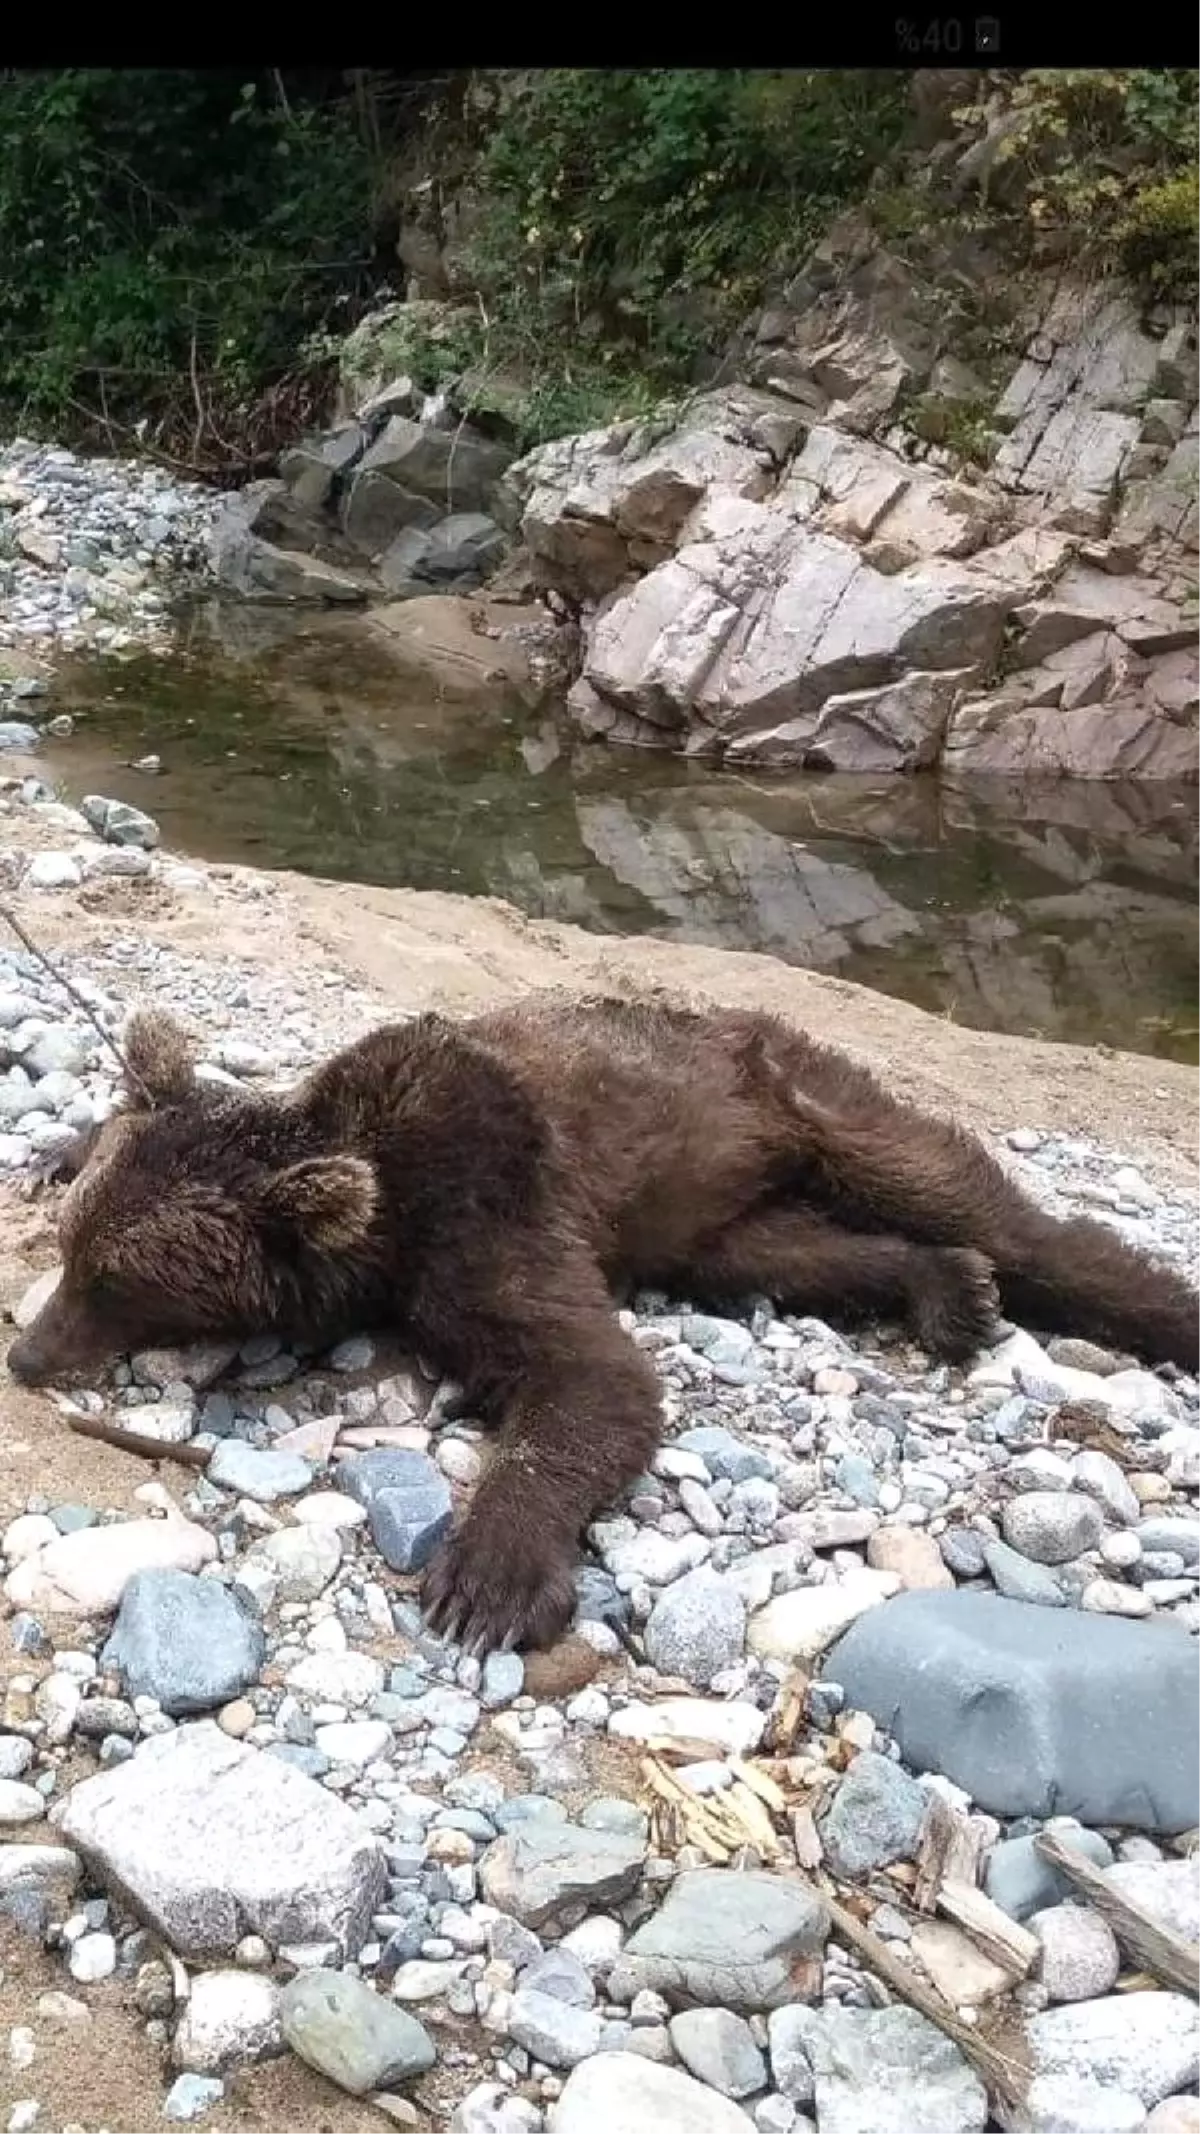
86 1572
337 1677
1080 1957
1059 2104
735 1729
355 1741
92 1957
32 1531
211 1840
230 2017
328 1507
622 2093
801 1624
19 1804
1143 2043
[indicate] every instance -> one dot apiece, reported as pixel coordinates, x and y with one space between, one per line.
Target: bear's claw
490 1591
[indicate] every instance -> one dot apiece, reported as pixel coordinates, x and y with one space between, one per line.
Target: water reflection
1064 911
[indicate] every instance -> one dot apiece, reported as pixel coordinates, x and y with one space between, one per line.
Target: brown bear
483 1186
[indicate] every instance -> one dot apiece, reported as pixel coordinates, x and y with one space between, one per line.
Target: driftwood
1165 1954
1002 2069
1008 1944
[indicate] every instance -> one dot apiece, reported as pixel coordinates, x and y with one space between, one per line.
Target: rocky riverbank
91 552
274 1855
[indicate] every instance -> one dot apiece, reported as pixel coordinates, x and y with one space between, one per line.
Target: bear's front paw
494 1587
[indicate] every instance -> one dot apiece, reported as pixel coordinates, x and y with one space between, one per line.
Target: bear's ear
330 1201
160 1068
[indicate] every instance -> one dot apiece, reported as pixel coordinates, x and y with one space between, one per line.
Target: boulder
1033 1711
247 556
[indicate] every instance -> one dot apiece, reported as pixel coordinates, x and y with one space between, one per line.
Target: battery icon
987 36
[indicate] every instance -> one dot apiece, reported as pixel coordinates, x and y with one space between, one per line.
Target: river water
1064 911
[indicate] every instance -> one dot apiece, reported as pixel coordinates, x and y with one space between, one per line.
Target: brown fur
484 1187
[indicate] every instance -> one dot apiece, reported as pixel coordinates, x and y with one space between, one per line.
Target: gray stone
542 1868
120 824
1105 1711
726 1457
407 1501
375 511
187 1641
890 2071
723 1939
209 1840
468 544
718 2048
697 1628
1144 2043
624 2093
346 2031
1019 1578
15 734
561 1974
1021 1882
788 2032
251 1472
963 1551
1100 1477
1052 1526
1172 1536
553 2030
503 1679
875 1817
457 470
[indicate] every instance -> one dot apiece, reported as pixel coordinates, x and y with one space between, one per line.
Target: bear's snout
28 1361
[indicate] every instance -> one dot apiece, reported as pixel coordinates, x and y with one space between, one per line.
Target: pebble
191 2096
228 2019
912 1555
407 1501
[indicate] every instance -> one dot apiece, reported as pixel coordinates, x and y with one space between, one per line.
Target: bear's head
201 1212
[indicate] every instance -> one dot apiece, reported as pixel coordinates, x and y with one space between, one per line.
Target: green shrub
630 220
167 237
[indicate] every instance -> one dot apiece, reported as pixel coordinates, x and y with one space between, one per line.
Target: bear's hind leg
807 1263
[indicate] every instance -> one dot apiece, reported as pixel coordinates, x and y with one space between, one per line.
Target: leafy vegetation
1109 173
166 238
630 220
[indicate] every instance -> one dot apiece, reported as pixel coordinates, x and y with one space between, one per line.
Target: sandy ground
413 950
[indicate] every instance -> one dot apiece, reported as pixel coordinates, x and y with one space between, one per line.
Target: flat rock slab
1033 1711
209 1840
725 1940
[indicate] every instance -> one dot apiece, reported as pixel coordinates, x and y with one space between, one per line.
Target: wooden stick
146 1448
1167 1955
1004 2074
1008 1944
